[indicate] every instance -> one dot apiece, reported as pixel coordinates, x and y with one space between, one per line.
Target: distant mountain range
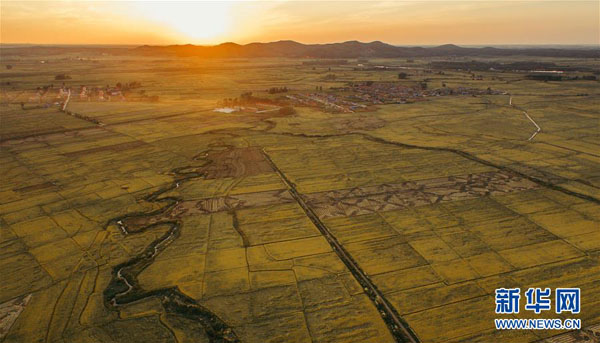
352 49
287 48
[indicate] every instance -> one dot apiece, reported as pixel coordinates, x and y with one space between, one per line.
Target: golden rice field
165 221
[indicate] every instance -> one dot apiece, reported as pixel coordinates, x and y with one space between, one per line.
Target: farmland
150 217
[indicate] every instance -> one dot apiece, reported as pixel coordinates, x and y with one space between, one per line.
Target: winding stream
124 287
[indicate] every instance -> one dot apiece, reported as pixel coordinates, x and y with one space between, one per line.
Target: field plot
166 221
434 246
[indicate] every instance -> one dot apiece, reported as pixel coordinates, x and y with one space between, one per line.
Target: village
355 97
49 95
362 96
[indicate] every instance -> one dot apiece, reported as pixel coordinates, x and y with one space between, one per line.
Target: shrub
287 110
62 77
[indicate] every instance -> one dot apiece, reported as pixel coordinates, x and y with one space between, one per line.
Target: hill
352 49
287 48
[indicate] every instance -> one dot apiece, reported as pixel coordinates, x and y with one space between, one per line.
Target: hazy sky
210 22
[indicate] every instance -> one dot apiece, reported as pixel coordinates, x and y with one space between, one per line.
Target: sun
202 21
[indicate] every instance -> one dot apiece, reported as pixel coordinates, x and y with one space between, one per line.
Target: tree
62 77
246 97
287 110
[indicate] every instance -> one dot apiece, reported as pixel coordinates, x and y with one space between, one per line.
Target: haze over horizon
422 23
425 45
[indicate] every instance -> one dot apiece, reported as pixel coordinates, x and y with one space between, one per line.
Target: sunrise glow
214 22
197 21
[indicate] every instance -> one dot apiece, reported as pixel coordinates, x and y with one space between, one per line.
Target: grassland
138 221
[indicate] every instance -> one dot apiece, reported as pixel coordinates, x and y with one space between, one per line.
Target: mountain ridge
293 49
351 49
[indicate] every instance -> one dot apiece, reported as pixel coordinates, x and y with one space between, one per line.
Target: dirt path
64 108
538 128
399 329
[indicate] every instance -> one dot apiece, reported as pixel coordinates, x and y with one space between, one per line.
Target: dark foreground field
328 212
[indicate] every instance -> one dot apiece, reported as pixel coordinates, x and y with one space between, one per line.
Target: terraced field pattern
166 221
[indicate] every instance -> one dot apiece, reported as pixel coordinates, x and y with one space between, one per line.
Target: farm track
44 133
399 329
537 127
91 120
464 154
124 287
570 149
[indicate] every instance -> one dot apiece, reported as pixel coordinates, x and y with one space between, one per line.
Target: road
67 101
538 128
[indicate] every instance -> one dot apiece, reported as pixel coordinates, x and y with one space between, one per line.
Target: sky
425 22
